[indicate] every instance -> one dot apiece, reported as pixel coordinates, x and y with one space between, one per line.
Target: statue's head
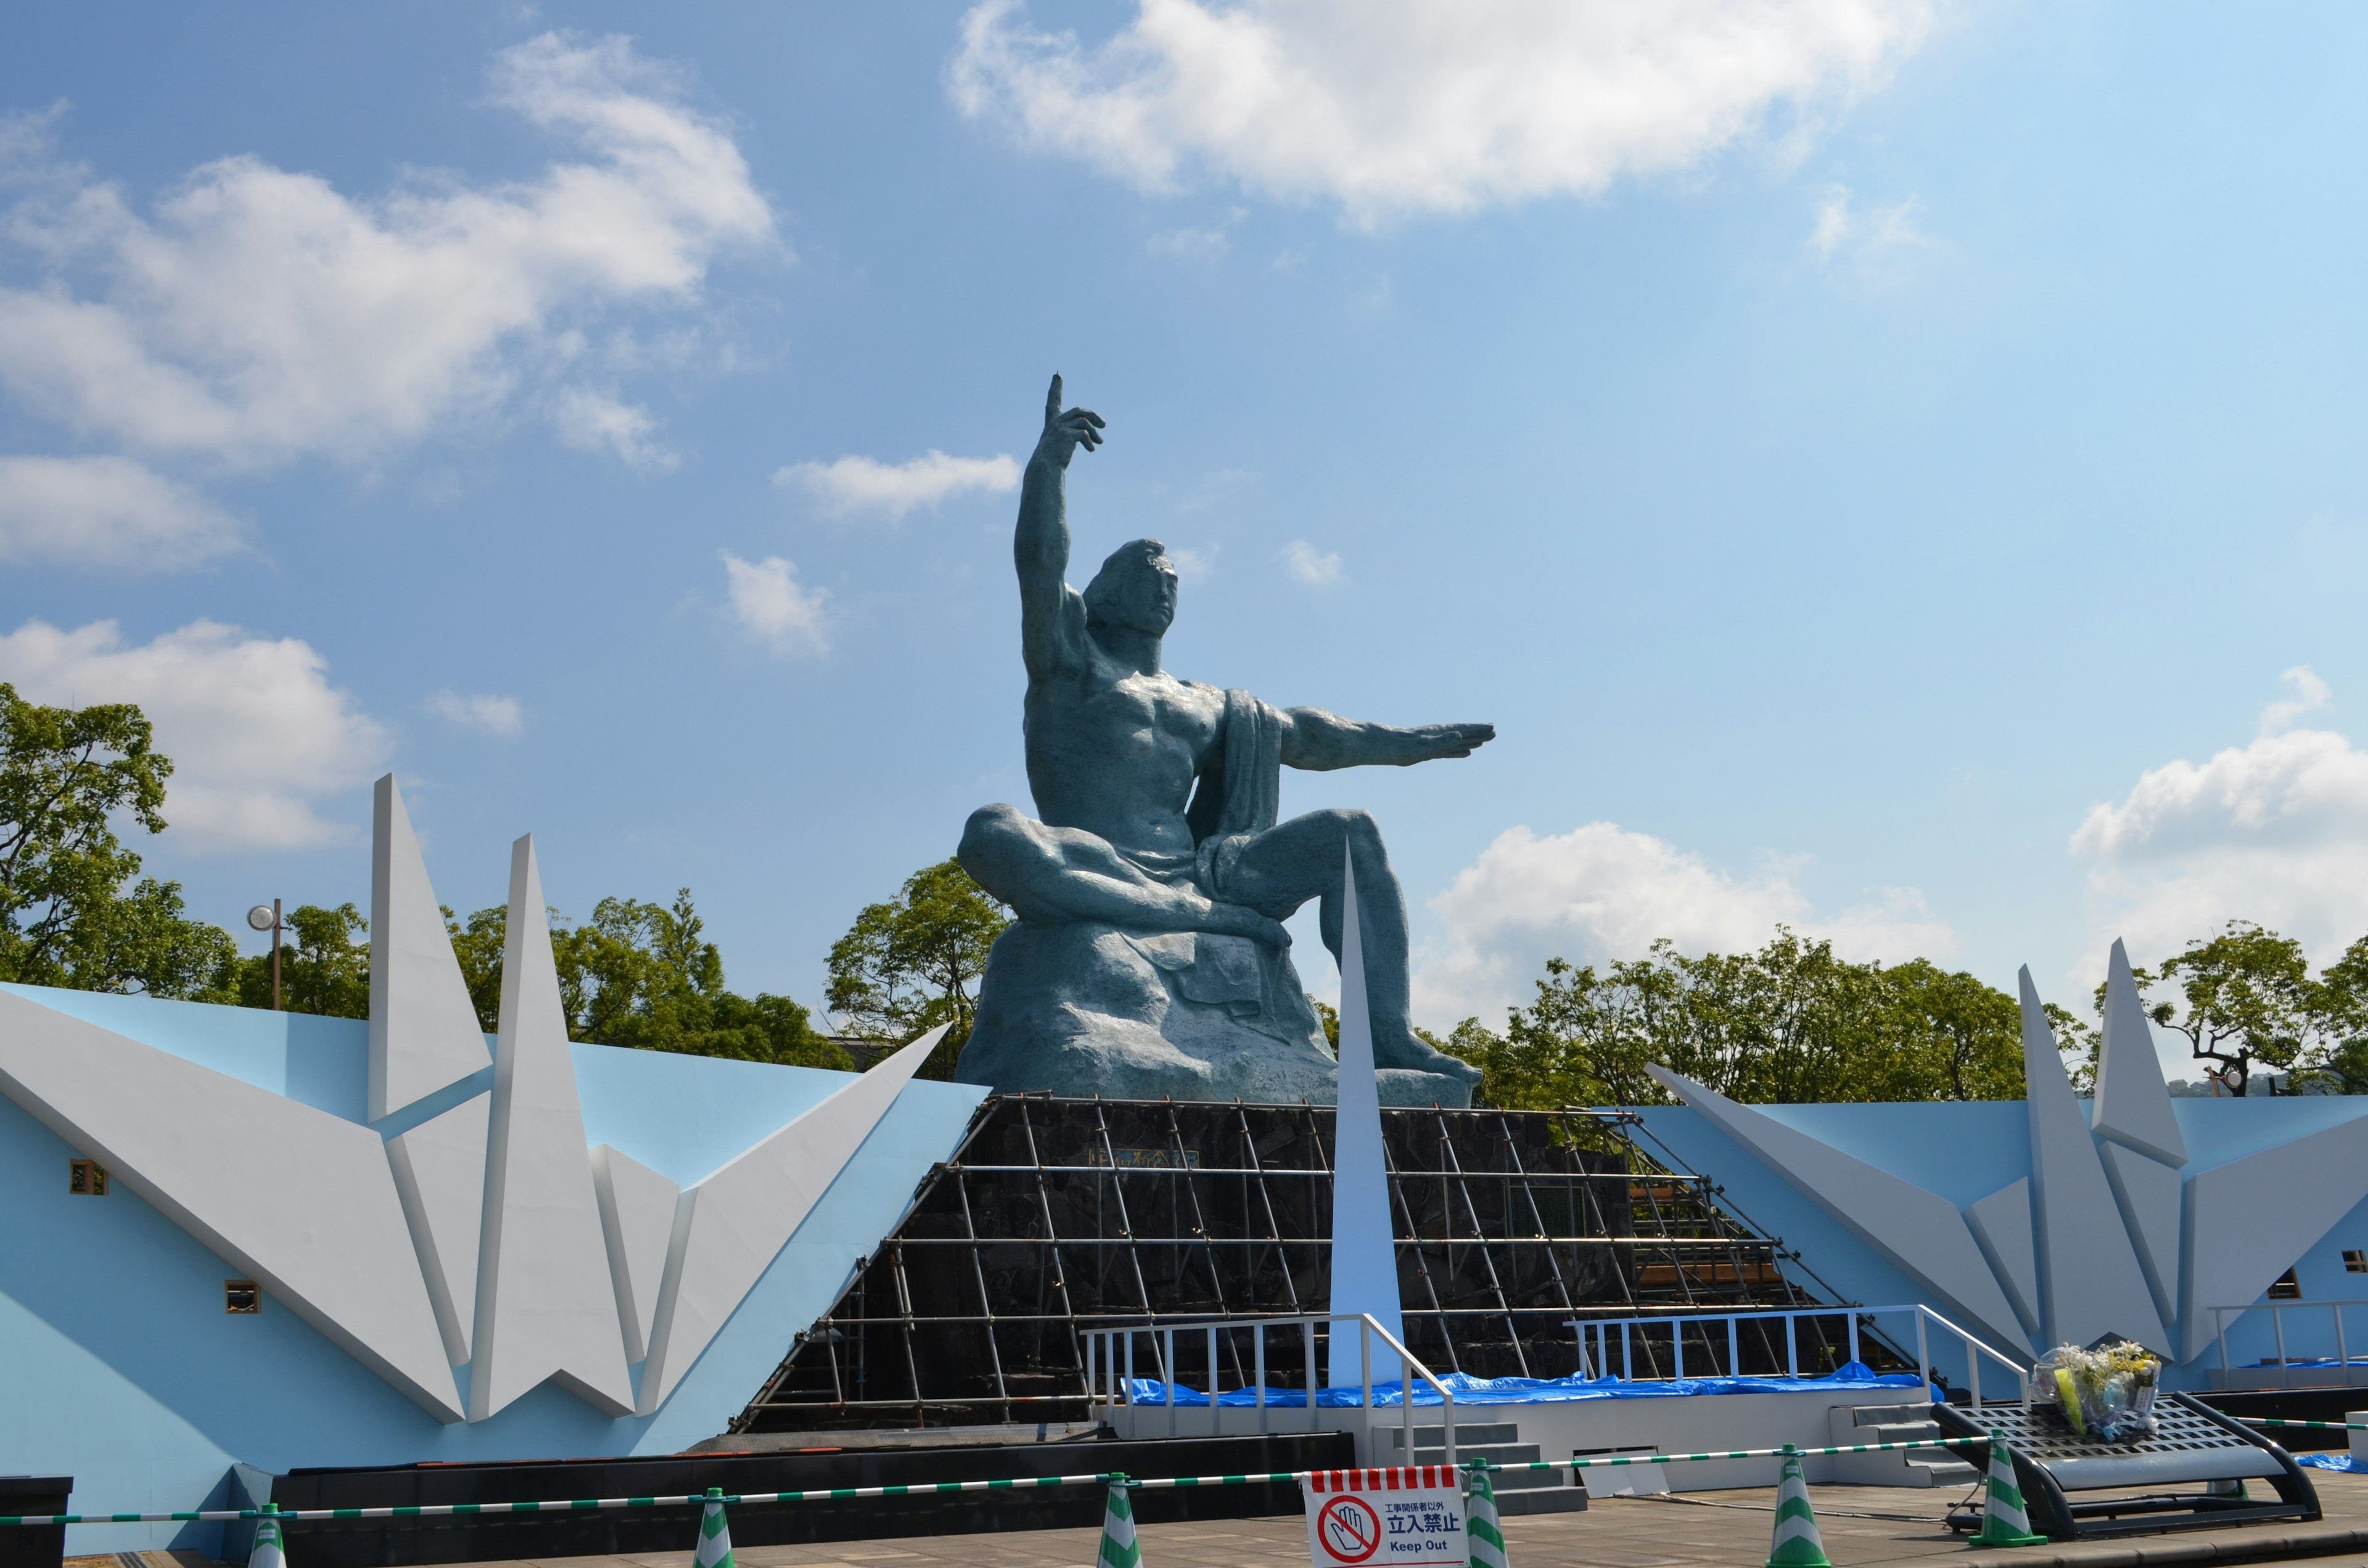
1135 589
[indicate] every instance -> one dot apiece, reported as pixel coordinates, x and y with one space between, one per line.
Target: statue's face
1141 595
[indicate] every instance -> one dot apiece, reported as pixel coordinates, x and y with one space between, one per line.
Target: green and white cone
1118 1547
714 1535
1797 1543
2004 1520
270 1551
1480 1524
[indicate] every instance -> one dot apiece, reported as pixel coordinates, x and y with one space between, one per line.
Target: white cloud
1197 244
856 487
2274 830
257 315
1600 892
1213 487
1867 236
1314 568
2310 695
1428 106
108 511
774 607
1194 566
592 422
257 734
486 714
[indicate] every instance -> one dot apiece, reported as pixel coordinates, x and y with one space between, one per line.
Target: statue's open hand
1453 740
1065 432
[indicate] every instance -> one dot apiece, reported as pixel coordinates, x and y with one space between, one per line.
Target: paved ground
1865 1527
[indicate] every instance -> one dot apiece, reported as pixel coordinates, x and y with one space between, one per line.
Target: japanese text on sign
1406 1515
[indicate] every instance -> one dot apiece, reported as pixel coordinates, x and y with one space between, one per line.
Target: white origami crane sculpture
2113 1231
466 1225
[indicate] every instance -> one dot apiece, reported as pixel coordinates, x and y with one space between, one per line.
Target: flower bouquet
2106 1394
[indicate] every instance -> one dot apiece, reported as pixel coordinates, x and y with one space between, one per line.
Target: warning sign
1404 1515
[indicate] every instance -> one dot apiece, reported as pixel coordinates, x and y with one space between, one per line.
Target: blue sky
1892 469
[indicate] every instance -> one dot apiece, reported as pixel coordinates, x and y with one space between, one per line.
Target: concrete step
1465 1433
1896 1432
1943 1472
1508 1454
1885 1414
1557 1500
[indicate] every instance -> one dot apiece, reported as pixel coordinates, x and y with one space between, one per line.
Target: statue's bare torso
1149 737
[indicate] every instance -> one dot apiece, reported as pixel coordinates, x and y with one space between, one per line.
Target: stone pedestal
1083 1008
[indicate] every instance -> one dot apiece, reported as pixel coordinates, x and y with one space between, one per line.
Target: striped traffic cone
1480 1525
714 1535
269 1552
1120 1549
2004 1520
1797 1543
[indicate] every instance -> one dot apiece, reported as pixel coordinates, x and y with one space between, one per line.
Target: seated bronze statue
1148 958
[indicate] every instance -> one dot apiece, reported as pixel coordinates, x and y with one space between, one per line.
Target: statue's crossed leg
1049 874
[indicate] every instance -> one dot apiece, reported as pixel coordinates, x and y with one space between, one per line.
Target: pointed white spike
2090 1280
423 1031
637 1208
1920 1232
439 1169
2001 1223
2148 1192
728 1228
2133 1102
1364 1246
546 1305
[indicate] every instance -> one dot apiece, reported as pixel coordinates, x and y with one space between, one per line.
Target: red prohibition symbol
1351 1531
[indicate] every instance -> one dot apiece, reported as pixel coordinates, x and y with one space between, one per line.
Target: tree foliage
323 967
643 975
1791 1022
2245 999
67 916
914 962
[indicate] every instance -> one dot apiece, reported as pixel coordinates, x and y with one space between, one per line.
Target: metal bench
2195 1444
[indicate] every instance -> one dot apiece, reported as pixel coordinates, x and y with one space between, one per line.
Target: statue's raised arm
1052 616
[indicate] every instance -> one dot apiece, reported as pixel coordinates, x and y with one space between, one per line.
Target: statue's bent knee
993 837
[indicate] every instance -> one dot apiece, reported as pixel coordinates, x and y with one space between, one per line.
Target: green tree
323 968
1790 1022
2338 1062
645 976
1962 1036
913 962
67 916
477 944
1329 1017
2248 999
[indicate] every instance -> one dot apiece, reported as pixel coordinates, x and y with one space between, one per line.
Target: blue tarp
2344 1462
1852 1376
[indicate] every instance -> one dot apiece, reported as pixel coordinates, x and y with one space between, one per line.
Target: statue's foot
1415 1054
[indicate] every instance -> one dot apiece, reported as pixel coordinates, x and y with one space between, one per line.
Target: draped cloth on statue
1246 796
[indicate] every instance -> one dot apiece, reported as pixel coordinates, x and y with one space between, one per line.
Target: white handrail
2277 1310
1924 1318
1105 1347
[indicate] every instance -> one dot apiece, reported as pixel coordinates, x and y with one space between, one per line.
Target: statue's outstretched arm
1318 742
1051 616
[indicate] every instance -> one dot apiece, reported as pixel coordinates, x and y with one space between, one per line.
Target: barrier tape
1098 1478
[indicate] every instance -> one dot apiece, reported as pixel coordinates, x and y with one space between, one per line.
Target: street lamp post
264 919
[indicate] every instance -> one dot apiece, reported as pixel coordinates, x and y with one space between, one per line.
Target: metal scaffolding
1059 1213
